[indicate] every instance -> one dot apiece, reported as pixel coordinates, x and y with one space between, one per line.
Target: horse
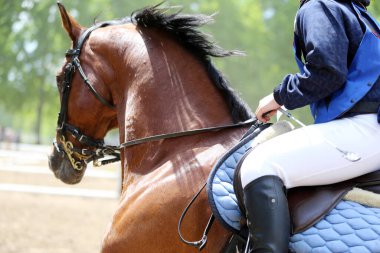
147 75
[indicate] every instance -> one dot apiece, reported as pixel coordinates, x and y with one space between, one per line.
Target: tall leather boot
267 215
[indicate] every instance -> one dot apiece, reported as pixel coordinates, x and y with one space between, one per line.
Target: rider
339 78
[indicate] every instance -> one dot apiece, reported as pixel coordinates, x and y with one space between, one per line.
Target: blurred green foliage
33 45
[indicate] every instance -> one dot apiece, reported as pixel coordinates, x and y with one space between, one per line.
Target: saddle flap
308 205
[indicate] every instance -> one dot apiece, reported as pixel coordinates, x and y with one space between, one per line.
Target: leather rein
96 149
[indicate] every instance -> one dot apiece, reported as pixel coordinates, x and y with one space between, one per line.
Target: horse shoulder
155 201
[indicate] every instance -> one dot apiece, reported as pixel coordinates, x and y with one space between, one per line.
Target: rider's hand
267 108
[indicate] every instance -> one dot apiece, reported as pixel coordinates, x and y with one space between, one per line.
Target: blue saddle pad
349 227
220 188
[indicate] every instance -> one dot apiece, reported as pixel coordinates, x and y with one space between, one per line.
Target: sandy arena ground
46 223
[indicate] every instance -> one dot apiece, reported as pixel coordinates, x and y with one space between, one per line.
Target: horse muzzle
63 169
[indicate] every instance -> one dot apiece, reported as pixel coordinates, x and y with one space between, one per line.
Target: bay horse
147 75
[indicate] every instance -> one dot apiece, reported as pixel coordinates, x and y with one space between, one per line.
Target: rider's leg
269 225
303 157
300 158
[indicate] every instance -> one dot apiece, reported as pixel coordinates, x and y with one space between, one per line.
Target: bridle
78 157
96 150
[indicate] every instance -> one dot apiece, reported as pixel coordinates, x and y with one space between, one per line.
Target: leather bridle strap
68 76
202 242
69 73
76 62
185 133
83 139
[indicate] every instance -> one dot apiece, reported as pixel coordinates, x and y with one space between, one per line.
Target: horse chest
150 207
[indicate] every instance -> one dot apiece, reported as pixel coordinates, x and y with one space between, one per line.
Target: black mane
185 30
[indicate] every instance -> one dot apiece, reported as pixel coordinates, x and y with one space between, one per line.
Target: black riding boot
267 215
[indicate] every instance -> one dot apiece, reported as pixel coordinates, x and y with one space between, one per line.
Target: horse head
87 106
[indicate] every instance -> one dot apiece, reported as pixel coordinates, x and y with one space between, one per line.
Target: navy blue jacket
329 34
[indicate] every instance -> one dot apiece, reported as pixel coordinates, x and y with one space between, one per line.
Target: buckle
72 52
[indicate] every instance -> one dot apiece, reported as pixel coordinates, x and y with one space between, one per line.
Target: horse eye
59 80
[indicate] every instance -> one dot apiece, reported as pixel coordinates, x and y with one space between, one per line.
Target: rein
184 133
200 244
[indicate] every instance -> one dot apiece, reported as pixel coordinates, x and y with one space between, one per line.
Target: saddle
307 205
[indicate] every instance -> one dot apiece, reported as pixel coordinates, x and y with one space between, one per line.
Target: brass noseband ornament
68 148
96 149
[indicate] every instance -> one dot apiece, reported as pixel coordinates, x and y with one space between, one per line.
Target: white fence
30 162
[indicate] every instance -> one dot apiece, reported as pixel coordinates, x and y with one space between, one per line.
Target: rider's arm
321 28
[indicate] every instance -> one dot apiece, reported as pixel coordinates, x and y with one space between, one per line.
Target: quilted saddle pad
220 188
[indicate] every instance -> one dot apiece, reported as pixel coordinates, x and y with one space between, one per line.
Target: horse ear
72 27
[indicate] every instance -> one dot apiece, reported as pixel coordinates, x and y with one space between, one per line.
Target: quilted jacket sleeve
321 29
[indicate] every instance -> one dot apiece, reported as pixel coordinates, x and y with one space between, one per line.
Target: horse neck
167 89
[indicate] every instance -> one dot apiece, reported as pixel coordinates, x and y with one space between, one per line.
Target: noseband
96 149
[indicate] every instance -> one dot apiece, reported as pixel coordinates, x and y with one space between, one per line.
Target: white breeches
303 157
